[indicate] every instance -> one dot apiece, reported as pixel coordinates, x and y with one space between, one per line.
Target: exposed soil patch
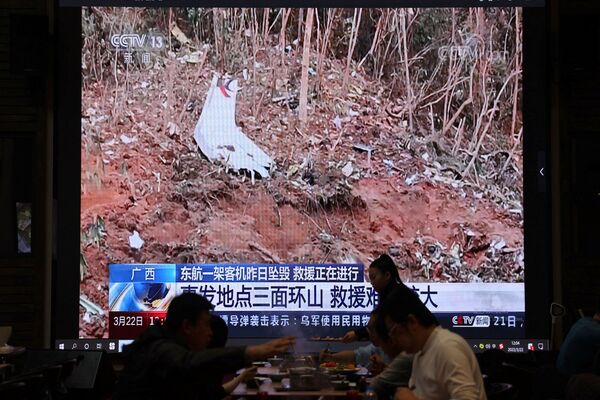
440 212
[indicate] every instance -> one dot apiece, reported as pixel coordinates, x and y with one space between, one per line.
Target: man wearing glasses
444 367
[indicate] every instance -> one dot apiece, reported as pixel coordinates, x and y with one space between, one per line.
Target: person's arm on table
172 356
245 376
397 374
359 334
405 393
346 356
376 364
269 349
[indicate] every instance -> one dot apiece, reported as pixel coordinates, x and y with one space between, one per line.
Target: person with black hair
384 277
397 372
220 333
172 360
444 366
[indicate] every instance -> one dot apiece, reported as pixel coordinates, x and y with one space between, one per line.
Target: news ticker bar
478 345
252 324
313 3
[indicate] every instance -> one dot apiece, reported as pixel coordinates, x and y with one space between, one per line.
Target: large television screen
264 157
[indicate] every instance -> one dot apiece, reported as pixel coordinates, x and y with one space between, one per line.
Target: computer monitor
264 157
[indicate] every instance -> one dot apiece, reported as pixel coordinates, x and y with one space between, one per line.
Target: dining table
282 389
7 352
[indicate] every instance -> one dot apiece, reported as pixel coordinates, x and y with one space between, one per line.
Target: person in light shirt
378 356
444 366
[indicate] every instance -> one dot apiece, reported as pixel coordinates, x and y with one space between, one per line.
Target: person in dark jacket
171 360
220 332
383 275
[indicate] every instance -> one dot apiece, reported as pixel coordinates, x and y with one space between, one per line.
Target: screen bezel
67 173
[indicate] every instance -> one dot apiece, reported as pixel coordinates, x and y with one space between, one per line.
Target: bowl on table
277 376
256 382
275 361
260 364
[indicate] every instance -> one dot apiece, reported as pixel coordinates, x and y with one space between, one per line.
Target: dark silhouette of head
189 317
405 318
379 336
403 302
220 332
382 272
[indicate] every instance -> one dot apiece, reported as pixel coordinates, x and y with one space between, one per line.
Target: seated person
397 373
581 345
444 366
220 333
171 360
379 361
583 387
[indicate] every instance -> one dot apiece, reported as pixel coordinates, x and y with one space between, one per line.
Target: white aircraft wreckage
221 140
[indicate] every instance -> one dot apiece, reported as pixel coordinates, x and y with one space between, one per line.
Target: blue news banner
304 300
255 300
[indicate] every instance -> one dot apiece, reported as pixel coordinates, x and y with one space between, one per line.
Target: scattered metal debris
90 307
363 147
127 140
394 251
325 237
135 241
411 180
348 169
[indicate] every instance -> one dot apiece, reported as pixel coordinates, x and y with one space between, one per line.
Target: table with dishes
302 377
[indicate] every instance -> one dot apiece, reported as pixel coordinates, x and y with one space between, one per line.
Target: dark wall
577 86
24 167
